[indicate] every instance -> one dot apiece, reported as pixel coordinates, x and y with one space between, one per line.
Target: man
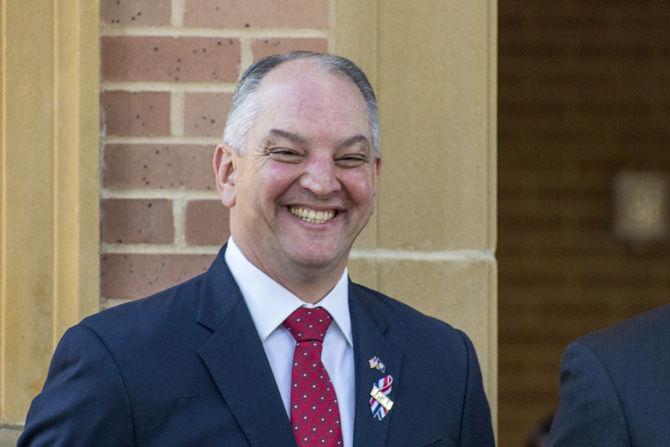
273 346
615 385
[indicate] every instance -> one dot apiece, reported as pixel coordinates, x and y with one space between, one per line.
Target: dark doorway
584 95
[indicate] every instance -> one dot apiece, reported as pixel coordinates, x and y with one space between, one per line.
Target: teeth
311 216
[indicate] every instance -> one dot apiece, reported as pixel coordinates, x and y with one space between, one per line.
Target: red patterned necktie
315 416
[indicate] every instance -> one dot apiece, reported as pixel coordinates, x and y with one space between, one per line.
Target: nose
320 176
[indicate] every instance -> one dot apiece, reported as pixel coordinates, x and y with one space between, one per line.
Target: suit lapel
369 326
237 362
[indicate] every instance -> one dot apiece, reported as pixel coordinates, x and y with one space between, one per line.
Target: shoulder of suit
154 316
406 319
646 330
423 339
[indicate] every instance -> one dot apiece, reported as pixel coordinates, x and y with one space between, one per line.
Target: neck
309 283
307 288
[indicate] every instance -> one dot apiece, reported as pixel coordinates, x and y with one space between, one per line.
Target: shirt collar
270 303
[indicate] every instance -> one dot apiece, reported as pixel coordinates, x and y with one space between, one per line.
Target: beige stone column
432 242
49 186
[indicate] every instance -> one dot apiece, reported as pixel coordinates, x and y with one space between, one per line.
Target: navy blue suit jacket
615 386
186 367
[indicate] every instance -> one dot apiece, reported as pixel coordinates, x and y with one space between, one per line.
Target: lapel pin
376 363
380 402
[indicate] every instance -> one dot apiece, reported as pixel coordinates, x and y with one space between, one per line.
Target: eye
284 154
351 160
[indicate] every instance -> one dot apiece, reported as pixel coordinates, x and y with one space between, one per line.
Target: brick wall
168 71
584 92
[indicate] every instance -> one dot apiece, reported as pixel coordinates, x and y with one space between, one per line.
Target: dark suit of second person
615 386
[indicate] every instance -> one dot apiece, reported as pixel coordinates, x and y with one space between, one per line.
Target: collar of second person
270 303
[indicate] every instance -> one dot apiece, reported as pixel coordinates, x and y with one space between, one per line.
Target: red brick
206 223
136 113
135 12
137 221
149 58
257 13
205 113
265 47
158 166
130 276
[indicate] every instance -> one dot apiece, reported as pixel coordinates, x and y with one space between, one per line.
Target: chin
317 260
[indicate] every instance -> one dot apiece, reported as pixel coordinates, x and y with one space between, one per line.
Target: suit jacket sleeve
476 428
83 401
590 411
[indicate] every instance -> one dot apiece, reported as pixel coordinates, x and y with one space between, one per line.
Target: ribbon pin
382 398
381 403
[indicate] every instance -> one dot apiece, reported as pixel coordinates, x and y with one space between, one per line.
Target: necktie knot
308 323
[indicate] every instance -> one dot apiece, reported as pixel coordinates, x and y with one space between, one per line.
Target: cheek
361 185
274 181
279 176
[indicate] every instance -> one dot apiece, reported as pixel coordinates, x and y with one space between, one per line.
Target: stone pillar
433 237
49 191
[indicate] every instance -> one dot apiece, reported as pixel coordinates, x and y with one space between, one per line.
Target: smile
311 216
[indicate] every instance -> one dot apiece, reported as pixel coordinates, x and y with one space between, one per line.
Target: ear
376 171
378 166
225 163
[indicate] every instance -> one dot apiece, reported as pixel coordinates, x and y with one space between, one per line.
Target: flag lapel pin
376 363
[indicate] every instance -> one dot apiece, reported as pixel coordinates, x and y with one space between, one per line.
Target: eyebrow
293 137
354 140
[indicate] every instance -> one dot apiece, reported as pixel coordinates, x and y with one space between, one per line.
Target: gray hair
244 107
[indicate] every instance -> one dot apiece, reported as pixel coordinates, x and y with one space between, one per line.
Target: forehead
304 91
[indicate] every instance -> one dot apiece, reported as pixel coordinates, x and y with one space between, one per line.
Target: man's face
305 184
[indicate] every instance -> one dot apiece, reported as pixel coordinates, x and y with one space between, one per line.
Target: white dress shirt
270 304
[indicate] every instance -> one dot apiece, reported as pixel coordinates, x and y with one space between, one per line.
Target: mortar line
201 141
159 249
172 194
246 55
179 220
332 44
419 255
160 86
401 255
111 302
176 15
159 31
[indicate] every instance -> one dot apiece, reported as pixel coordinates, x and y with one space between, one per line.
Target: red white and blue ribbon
381 389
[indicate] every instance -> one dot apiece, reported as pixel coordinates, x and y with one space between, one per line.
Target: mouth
312 216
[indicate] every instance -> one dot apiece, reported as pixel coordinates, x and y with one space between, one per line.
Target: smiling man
274 345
